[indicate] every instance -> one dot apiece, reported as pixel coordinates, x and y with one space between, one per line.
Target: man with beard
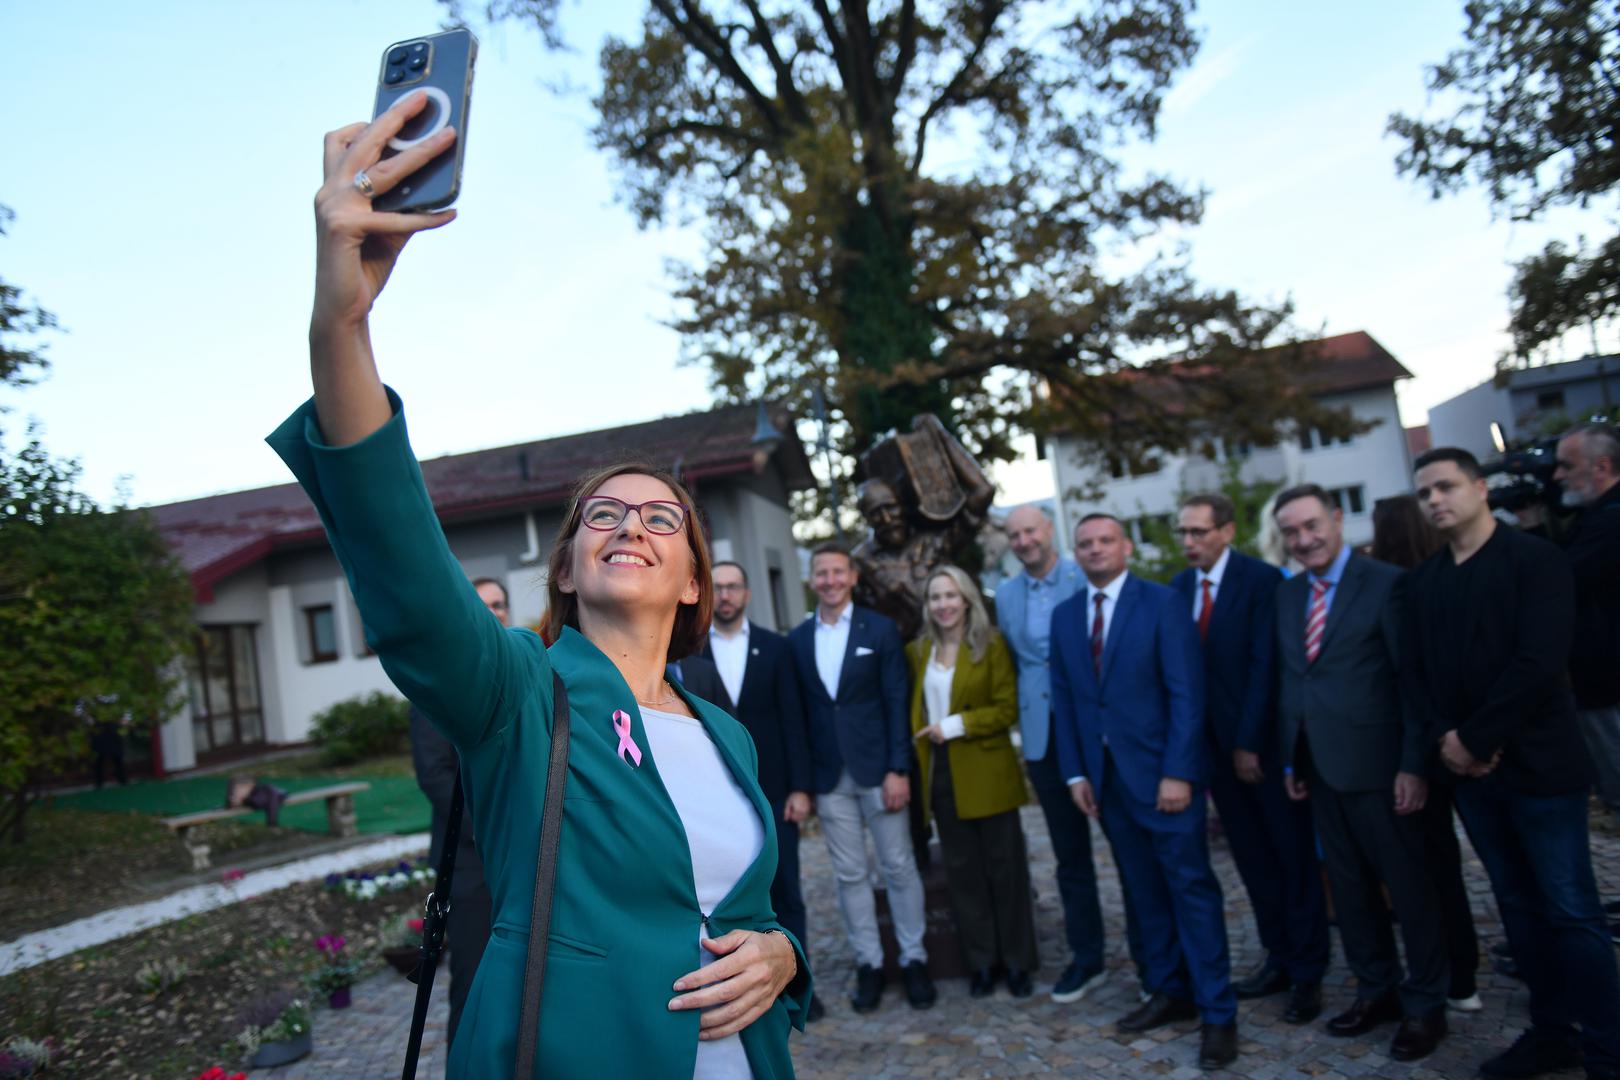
762 691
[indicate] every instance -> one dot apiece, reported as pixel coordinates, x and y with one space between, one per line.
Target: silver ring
362 184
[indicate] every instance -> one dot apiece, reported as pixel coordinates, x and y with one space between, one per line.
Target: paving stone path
1003 1037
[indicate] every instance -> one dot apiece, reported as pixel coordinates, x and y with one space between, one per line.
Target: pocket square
862 650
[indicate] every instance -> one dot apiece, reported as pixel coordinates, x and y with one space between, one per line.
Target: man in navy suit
1231 599
761 688
852 672
1024 607
1128 701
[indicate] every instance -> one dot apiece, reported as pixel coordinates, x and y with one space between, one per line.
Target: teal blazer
625 917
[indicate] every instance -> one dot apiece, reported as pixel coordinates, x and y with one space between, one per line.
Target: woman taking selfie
666 838
964 703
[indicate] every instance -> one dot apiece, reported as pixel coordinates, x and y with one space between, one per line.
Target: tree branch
906 36
701 34
992 11
784 72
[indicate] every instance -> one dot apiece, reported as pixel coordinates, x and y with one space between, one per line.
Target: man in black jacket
1492 616
470 906
1589 470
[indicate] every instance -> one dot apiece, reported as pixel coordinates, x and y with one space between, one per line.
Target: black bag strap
436 914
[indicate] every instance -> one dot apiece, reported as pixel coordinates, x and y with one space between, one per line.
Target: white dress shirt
1213 575
937 682
730 658
832 639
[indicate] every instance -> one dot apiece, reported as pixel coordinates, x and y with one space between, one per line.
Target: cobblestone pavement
1003 1037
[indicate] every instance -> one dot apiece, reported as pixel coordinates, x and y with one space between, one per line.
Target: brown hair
1219 506
830 547
691 627
1402 536
1304 491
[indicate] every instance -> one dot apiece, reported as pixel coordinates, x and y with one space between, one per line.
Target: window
222 674
1349 499
778 598
1550 401
1317 439
320 626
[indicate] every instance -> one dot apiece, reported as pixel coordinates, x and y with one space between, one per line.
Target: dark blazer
1239 655
1349 704
1594 551
699 675
1148 702
436 764
1497 672
772 709
866 729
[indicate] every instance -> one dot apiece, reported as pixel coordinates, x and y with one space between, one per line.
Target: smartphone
440 65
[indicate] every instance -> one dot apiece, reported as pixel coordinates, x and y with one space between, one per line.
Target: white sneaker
1471 1003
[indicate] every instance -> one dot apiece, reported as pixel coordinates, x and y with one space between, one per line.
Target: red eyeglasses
658 516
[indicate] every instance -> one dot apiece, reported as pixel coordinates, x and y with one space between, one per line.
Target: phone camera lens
419 62
398 55
394 76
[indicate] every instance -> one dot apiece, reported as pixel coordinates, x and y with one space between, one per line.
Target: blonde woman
964 703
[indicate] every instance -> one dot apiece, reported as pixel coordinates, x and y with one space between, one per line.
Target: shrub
374 725
159 976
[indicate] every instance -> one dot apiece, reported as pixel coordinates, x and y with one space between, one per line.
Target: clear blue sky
161 159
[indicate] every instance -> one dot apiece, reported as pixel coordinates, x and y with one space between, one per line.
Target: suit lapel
1291 624
805 643
857 630
1124 608
1344 594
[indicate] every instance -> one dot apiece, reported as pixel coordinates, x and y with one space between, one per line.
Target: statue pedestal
944 949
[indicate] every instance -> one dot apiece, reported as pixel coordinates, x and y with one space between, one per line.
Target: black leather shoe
1419 1035
1156 1011
1019 983
1262 983
1365 1015
1533 1053
815 1010
1304 1003
1219 1046
920 990
981 983
868 989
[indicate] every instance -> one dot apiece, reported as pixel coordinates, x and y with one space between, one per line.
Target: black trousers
471 910
1070 831
1364 842
1456 914
987 875
786 896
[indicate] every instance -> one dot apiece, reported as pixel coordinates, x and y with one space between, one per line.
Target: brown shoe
1156 1011
1419 1035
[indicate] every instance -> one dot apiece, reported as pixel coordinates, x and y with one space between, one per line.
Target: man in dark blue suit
852 672
760 684
1127 697
1231 599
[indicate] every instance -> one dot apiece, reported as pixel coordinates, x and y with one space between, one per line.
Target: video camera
1524 477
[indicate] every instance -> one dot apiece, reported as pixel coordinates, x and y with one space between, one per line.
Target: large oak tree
921 206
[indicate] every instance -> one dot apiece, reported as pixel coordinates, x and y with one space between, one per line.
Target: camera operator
1589 471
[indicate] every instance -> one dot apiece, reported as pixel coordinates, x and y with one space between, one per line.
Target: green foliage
93 612
20 318
371 725
1159 558
1537 89
845 252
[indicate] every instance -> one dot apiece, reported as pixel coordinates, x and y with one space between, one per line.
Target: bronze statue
925 498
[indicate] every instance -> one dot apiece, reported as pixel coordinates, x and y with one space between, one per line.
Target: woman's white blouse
725 835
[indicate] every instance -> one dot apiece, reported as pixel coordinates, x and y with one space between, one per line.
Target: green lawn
394 804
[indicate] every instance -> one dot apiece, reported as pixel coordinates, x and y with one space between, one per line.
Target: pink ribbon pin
628 751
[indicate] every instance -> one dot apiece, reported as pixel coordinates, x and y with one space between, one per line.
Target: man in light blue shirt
1024 605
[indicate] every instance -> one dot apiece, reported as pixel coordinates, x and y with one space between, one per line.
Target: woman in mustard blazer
664 959
964 700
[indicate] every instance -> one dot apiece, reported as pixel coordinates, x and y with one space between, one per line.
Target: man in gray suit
1356 748
1024 609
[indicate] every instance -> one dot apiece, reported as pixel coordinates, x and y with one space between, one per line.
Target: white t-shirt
725 835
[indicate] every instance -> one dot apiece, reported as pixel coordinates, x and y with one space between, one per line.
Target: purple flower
331 945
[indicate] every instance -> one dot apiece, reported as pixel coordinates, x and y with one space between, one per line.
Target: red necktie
1315 620
1097 634
1205 612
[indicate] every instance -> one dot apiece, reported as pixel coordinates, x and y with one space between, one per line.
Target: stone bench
341 819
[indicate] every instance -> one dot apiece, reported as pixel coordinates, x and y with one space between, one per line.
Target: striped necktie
1316 620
